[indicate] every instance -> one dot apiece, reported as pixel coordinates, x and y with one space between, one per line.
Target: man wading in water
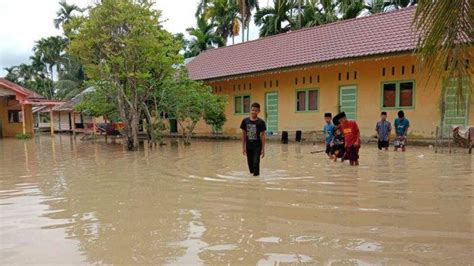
253 139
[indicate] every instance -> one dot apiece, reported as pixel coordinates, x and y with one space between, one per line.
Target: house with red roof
16 104
361 66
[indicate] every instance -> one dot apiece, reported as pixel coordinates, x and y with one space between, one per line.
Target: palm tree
271 19
315 12
201 8
224 13
204 37
249 6
64 14
70 78
445 32
51 50
351 8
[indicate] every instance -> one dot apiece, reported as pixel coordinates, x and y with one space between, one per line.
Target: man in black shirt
253 139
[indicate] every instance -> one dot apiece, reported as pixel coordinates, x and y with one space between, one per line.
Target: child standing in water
253 139
337 144
328 132
383 129
401 128
351 132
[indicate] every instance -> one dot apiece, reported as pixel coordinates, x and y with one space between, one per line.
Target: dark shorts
338 150
352 153
328 148
383 144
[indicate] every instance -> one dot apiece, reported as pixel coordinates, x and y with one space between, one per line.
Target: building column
23 122
51 122
74 123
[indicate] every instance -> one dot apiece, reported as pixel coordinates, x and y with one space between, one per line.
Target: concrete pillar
51 122
23 122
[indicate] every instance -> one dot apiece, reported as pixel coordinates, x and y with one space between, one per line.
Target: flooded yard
83 202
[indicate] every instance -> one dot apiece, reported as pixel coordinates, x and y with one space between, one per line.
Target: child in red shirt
351 132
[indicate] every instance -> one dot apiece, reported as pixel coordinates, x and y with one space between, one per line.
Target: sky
25 21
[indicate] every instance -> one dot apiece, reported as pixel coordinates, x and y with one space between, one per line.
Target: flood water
86 203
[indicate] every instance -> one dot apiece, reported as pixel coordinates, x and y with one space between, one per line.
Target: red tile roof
373 35
19 89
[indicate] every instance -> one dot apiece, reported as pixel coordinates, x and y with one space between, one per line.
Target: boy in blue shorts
401 128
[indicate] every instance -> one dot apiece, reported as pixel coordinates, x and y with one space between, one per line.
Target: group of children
342 136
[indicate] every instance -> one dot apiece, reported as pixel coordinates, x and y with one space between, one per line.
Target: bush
23 136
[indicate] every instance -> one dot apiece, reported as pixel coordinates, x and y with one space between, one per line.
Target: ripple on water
277 258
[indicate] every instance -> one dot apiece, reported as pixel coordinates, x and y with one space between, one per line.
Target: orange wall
12 129
424 117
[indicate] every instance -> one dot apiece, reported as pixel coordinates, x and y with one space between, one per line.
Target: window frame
19 115
397 95
242 96
306 109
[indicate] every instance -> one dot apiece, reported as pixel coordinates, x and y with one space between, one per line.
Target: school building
361 66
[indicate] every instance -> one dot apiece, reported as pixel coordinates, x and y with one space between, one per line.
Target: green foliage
203 37
121 43
97 102
444 48
215 113
189 101
22 136
271 19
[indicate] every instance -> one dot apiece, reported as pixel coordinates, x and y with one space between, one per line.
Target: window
307 100
15 116
406 94
398 94
389 95
242 104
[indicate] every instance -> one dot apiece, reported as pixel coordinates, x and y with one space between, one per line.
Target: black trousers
253 156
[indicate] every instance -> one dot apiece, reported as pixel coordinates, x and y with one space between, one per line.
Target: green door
348 101
454 114
271 111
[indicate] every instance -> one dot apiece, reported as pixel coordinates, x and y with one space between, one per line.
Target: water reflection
96 203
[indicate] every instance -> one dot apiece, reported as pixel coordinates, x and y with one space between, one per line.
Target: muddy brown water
86 203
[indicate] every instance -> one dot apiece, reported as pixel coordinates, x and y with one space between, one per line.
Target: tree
214 114
224 14
271 19
444 47
96 102
50 51
189 101
201 8
70 79
246 9
203 37
64 14
352 8
120 43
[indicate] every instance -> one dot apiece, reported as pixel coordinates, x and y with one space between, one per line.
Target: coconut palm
64 14
444 47
272 20
203 37
224 14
